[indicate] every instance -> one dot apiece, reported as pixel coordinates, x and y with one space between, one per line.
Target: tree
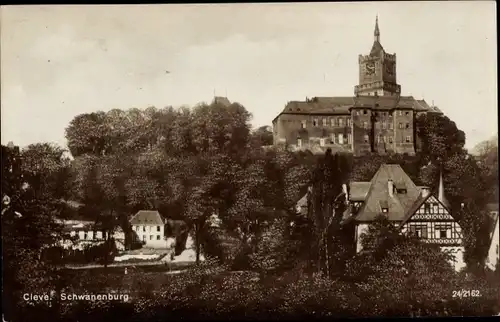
28 226
486 154
399 273
262 136
88 134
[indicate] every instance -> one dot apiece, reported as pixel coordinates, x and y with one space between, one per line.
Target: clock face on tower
370 68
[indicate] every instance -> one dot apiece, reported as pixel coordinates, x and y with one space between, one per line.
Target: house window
407 113
85 235
407 125
144 237
341 122
427 208
365 112
400 125
150 237
304 124
315 122
325 122
332 139
157 228
384 125
349 139
299 142
365 124
390 126
341 138
157 237
390 139
400 113
443 231
144 228
348 121
366 138
322 142
435 208
418 230
408 139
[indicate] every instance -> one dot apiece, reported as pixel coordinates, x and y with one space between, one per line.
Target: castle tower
377 70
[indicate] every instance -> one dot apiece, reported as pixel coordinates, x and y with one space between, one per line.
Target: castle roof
377 49
147 217
341 105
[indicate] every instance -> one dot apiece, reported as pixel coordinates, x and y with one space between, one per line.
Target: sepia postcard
249 161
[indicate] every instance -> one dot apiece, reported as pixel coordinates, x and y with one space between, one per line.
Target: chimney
425 191
344 189
390 187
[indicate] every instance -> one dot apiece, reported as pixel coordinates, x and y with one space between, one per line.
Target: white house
493 253
83 233
149 227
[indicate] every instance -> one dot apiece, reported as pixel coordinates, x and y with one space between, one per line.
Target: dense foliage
193 163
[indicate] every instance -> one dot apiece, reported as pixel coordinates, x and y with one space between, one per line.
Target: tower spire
376 33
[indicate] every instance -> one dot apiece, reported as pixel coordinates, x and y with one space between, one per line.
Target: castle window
400 113
357 112
365 125
157 237
304 124
325 122
341 138
408 139
349 138
366 138
407 113
400 125
407 125
299 142
322 142
390 139
332 138
365 112
315 122
348 122
332 122
341 122
390 126
384 125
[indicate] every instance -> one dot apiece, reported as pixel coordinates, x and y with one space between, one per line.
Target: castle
376 120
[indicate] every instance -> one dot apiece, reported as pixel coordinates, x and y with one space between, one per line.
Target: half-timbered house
415 209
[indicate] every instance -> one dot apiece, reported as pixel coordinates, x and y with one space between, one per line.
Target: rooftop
147 217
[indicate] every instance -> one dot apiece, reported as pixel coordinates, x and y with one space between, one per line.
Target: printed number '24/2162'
466 293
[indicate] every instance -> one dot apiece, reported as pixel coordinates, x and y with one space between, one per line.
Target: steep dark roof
147 217
222 100
377 49
378 193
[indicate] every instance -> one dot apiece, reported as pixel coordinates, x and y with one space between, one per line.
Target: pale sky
60 61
